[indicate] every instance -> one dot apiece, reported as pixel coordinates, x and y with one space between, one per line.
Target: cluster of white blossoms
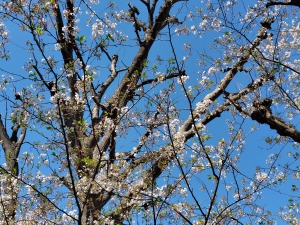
4 39
97 29
60 95
203 105
212 70
50 61
3 34
261 176
160 76
182 80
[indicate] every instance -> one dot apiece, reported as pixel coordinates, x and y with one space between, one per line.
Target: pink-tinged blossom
216 24
160 76
212 70
202 106
97 29
182 30
203 24
261 176
182 79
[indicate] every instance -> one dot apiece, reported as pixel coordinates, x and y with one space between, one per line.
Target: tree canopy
149 112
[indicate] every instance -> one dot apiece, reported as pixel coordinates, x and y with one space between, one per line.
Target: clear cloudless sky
256 150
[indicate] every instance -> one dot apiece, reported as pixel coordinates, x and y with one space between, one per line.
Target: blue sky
256 150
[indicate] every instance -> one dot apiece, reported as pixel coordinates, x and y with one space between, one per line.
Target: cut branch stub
263 115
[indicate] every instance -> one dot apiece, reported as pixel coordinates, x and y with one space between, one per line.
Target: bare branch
263 115
150 81
291 3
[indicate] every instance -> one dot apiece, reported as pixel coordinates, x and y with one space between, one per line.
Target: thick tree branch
209 98
121 96
232 99
291 3
66 41
97 97
5 140
263 115
11 147
168 153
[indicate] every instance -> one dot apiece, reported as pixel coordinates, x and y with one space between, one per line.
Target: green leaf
39 30
80 39
268 140
294 187
210 177
108 36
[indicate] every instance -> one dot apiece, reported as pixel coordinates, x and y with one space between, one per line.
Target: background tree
150 112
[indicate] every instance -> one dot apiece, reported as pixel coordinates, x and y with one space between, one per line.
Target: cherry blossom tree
149 112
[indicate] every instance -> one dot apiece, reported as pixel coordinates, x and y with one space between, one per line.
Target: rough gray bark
11 147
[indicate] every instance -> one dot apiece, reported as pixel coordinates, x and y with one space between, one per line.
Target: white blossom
261 176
